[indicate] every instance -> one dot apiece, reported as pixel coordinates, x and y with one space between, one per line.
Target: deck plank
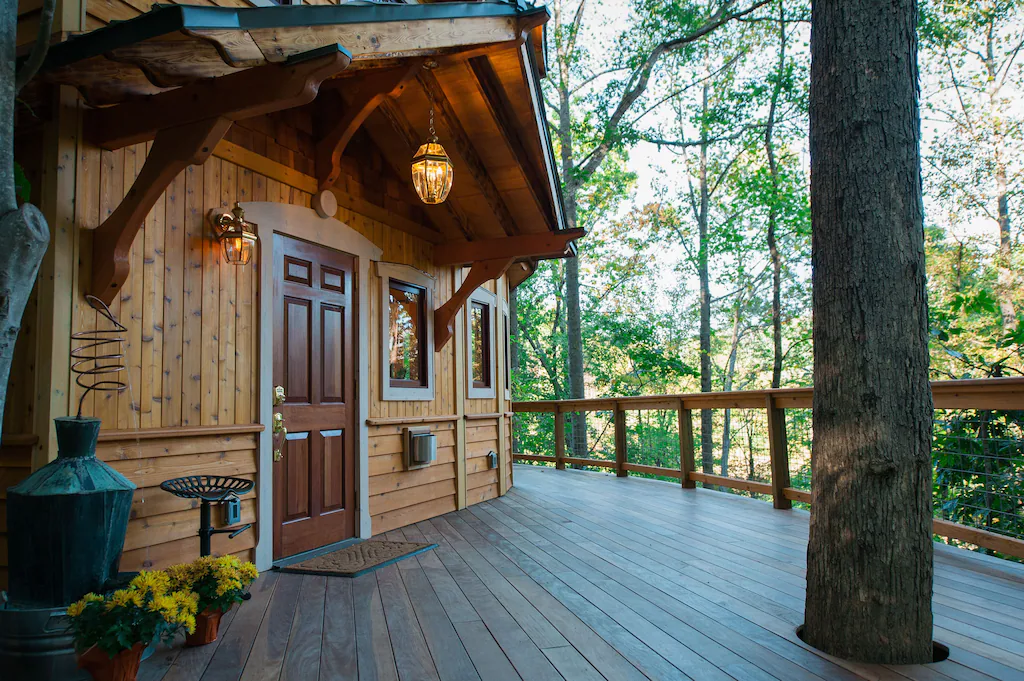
578 576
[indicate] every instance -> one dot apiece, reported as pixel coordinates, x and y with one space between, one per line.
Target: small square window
406 335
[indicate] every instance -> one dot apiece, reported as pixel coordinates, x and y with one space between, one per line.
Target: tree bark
23 229
707 427
730 372
869 557
773 207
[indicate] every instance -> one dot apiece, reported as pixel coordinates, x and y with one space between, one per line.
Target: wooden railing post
686 450
559 439
620 442
779 450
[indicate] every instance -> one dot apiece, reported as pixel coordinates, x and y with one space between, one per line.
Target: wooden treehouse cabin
312 296
374 314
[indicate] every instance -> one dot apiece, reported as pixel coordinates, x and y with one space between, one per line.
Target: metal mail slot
421 448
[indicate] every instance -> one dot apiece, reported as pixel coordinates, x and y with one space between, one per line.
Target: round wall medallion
325 204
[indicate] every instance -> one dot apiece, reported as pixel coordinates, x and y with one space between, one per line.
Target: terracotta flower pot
207 625
123 666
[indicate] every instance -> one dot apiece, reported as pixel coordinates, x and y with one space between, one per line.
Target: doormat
358 559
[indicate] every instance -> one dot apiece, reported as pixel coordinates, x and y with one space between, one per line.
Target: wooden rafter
404 131
244 94
444 316
187 136
366 95
545 245
464 146
501 109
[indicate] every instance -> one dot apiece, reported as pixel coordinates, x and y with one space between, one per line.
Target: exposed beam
248 93
365 96
501 109
464 146
173 150
410 141
444 316
546 245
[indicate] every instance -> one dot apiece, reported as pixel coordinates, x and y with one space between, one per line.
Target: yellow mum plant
220 582
146 610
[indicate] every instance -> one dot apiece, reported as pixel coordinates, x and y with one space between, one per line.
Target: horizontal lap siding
399 497
481 480
163 529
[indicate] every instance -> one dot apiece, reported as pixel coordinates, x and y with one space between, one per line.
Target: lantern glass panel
432 173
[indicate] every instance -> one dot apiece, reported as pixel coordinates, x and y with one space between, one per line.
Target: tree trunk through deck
869 559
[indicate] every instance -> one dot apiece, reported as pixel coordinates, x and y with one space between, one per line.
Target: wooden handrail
981 393
987 394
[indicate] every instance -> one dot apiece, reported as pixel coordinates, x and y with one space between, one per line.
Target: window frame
507 339
410 277
487 299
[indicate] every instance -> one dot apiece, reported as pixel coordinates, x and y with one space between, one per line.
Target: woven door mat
358 559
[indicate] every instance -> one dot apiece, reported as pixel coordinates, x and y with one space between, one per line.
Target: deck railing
781 474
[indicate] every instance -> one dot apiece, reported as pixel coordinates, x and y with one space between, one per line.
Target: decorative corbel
173 150
367 96
185 125
480 272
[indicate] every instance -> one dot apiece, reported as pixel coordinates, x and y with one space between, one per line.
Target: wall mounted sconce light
237 237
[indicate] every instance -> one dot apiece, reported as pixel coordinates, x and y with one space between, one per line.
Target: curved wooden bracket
185 125
173 150
368 95
480 272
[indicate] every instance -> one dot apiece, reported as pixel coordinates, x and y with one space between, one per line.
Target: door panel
314 351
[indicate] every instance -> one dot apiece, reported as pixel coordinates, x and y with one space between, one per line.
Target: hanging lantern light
237 237
432 170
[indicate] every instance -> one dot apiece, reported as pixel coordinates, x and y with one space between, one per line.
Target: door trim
305 223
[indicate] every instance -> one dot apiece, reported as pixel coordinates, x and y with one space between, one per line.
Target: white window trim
481 295
506 339
388 271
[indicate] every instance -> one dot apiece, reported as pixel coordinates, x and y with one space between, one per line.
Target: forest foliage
695 273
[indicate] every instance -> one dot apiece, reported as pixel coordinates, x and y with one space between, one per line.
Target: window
480 318
406 312
507 335
480 344
407 333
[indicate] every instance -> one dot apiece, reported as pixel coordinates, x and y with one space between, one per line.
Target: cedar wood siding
191 345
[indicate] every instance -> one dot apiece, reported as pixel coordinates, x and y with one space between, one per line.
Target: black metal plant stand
209 489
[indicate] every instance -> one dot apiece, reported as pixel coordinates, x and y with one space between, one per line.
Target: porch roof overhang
180 75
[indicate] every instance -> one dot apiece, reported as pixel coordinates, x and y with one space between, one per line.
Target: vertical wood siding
191 345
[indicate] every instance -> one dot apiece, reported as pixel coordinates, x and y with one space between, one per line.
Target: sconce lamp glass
237 237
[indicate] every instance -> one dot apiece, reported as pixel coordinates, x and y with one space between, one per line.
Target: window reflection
480 321
406 334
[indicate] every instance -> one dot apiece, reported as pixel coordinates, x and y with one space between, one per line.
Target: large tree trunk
773 207
23 230
707 426
869 558
574 332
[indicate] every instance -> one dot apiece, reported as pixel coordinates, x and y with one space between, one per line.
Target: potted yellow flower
112 630
219 583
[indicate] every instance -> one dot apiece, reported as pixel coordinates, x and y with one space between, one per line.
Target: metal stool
209 489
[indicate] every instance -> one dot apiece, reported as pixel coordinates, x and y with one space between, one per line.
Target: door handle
277 426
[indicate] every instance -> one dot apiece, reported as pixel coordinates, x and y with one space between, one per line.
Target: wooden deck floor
582 576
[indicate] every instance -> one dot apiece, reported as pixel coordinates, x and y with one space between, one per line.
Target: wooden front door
314 339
